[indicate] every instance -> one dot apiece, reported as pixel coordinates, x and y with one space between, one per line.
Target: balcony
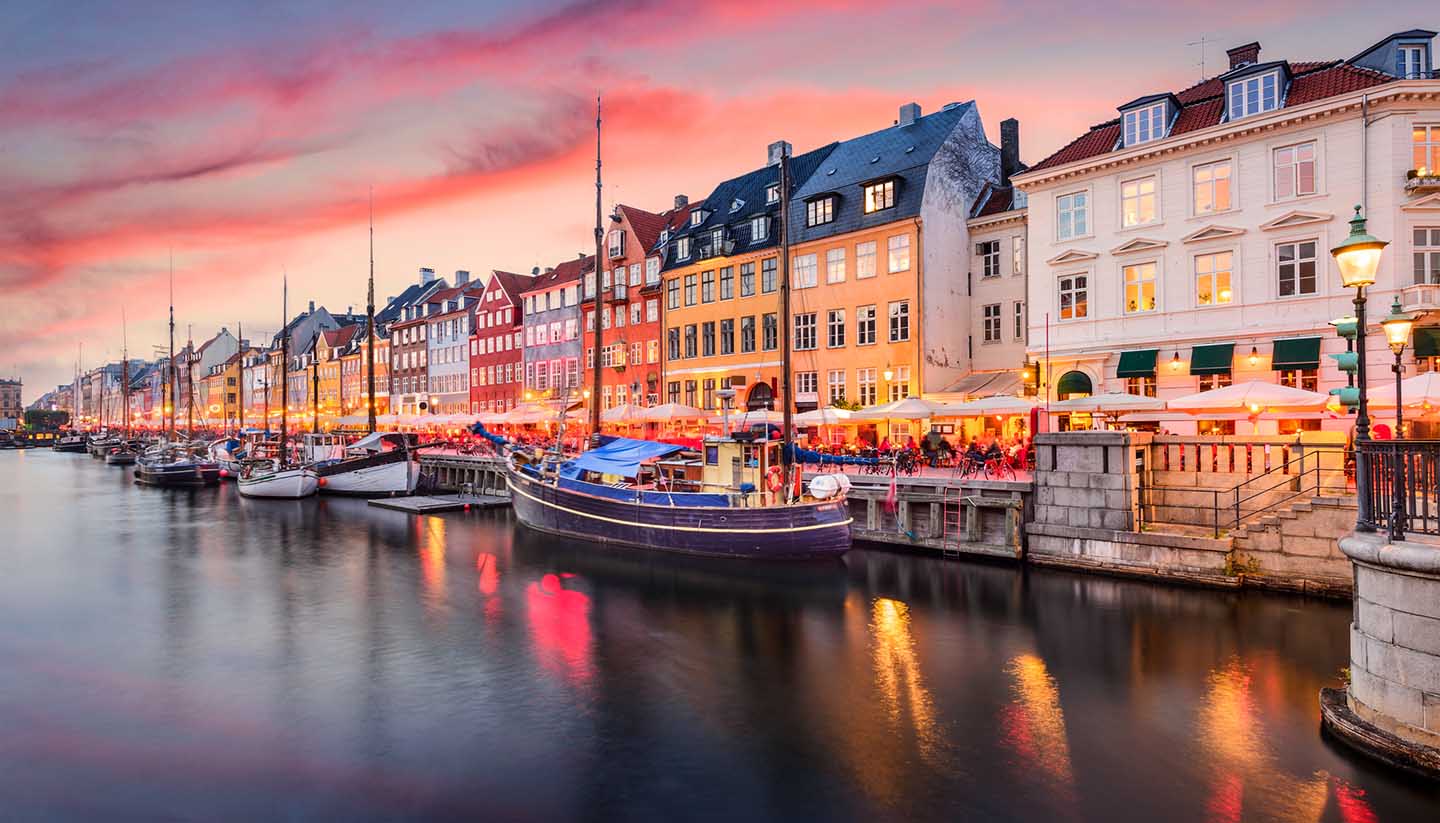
618 293
1422 181
1420 297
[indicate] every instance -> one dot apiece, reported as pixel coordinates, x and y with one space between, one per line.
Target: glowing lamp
1397 327
1175 362
1359 256
1254 355
1254 408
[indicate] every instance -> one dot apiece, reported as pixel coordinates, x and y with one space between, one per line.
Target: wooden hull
178 475
764 532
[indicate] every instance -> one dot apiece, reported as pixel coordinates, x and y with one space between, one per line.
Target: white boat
376 465
267 478
230 454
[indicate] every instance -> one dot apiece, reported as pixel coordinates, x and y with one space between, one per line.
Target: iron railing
1402 486
1299 477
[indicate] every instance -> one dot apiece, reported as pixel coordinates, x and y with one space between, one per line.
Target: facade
10 407
997 291
330 351
1185 244
721 296
409 363
497 354
448 341
551 329
632 331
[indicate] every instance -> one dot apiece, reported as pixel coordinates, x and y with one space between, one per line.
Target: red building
631 312
497 352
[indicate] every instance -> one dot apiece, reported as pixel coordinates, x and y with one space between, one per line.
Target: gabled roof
995 199
513 285
1412 34
1203 104
562 275
341 337
646 225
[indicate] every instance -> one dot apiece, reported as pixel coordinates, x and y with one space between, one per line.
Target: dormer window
1145 124
759 229
772 193
1256 94
879 196
698 216
820 211
1410 62
682 248
736 205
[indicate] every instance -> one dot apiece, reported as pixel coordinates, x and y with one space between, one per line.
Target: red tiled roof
511 283
997 200
341 337
646 225
1203 105
562 274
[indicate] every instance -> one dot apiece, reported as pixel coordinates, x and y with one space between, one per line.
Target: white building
1185 244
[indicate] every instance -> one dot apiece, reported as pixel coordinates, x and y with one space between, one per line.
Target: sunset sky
246 136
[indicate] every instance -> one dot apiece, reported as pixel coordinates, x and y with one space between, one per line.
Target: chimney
312 306
462 277
681 201
909 113
1244 55
427 276
1009 149
549 269
389 300
535 271
775 151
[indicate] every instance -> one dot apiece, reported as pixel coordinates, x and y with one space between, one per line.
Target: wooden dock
434 504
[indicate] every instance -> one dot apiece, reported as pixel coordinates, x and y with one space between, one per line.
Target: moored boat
175 467
72 443
376 465
270 477
121 455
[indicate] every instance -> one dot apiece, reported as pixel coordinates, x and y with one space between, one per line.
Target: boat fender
320 481
774 478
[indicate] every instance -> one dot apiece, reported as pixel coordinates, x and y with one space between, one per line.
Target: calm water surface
198 656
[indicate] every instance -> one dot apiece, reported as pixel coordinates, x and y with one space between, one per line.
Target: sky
243 140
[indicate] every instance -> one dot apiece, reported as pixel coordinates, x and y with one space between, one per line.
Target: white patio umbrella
828 416
1415 392
623 413
1254 396
1108 403
986 406
911 408
667 412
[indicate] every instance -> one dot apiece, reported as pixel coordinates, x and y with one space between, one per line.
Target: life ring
774 478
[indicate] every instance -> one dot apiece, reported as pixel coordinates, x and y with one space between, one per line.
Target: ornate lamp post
1359 258
1397 332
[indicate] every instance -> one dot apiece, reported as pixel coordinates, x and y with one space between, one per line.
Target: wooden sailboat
125 453
172 464
734 499
269 473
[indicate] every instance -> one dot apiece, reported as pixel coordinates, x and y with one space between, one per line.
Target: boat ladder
952 522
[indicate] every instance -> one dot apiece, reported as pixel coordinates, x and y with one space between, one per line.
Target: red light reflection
560 624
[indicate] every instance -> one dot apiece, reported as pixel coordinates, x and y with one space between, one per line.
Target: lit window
1295 171
1142 386
1211 183
879 196
1307 379
835 266
1137 202
1072 215
899 249
1425 151
1144 125
1139 288
805 274
1212 279
1254 95
864 260
772 193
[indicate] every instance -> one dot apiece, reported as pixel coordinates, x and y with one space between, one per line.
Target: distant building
552 329
497 353
10 406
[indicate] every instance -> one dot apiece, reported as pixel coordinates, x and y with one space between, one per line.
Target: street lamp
1397 333
1359 258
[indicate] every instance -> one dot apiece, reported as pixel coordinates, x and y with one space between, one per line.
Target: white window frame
817 214
1070 204
1139 197
893 245
1145 124
835 265
1297 260
1196 186
1065 283
1294 167
1212 273
1153 279
1406 68
1425 255
804 271
879 196
1249 106
1427 149
990 323
867 251
759 229
835 380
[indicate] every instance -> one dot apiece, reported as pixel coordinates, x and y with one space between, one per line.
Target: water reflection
202 656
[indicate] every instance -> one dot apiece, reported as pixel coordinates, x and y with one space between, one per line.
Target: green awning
1296 353
1212 359
1427 342
1137 363
1073 382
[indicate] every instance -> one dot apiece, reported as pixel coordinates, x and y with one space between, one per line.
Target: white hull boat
396 477
268 481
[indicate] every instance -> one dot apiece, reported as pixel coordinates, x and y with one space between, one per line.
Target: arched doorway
760 397
1073 384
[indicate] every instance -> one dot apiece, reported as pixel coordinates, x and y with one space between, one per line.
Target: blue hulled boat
720 502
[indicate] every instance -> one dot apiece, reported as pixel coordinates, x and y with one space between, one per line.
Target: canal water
195 655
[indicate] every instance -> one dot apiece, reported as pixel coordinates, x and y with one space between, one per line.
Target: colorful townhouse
551 330
721 303
1184 243
997 282
631 318
330 350
497 353
448 341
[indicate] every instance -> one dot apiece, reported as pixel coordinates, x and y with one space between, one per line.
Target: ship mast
189 382
125 371
786 414
170 362
240 416
284 367
599 340
370 321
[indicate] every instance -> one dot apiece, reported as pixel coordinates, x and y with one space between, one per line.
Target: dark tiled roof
1203 106
749 190
900 152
